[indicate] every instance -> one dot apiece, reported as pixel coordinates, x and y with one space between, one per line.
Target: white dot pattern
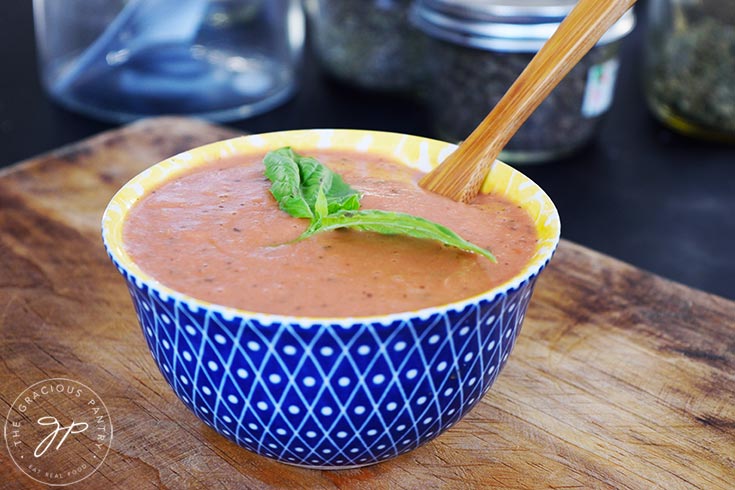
328 395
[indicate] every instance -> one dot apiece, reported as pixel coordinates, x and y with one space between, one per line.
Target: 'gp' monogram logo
74 428
58 432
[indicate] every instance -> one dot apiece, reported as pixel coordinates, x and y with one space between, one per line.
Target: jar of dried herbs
690 66
478 49
367 43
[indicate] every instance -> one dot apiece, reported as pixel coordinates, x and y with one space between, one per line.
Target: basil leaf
305 188
286 182
391 223
321 206
316 176
297 181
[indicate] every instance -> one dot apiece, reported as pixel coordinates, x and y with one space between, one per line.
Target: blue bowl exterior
330 395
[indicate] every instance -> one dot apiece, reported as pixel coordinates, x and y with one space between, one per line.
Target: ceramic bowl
331 392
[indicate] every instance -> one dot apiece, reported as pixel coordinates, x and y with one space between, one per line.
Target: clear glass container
119 60
478 49
367 43
690 66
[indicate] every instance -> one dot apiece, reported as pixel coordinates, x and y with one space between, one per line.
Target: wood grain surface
619 379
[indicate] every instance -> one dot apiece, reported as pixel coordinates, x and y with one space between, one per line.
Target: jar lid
502 25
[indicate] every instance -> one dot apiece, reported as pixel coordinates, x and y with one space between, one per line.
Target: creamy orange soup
217 234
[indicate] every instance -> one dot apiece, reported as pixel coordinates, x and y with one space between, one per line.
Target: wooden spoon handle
462 173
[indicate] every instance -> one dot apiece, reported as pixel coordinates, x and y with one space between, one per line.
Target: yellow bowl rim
415 151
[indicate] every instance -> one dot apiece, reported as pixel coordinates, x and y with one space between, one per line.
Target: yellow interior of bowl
413 151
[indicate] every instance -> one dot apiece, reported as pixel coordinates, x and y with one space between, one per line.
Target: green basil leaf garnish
297 180
286 183
305 188
391 223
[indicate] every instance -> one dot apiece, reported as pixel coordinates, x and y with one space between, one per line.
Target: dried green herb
466 82
693 67
369 43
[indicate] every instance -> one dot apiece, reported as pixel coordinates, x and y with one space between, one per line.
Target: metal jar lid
502 25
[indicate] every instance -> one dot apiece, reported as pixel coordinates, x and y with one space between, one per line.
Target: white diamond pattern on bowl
335 394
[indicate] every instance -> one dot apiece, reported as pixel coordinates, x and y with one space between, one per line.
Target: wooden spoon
462 173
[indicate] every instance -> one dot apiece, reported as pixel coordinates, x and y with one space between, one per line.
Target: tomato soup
217 234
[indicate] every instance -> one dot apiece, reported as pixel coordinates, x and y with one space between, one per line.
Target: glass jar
119 60
478 49
690 66
367 43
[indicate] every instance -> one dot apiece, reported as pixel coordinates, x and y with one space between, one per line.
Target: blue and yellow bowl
331 392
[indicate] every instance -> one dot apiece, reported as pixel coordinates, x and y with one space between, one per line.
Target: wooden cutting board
620 379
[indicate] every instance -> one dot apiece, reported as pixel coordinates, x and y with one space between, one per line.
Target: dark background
640 192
